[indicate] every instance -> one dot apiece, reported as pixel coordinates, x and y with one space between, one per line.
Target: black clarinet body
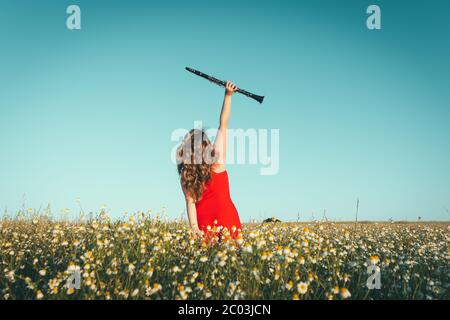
222 83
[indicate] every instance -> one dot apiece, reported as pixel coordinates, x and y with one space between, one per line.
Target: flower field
151 258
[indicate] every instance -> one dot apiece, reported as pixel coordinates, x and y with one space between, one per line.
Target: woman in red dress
204 179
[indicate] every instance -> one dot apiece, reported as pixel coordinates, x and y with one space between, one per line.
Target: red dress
216 209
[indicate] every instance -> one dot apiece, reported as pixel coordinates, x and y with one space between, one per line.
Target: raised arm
220 144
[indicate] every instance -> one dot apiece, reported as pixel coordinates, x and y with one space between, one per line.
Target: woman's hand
196 233
230 88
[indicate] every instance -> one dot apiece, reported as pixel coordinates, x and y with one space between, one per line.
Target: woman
204 179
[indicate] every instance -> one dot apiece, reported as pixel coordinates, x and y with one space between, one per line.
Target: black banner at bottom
207 309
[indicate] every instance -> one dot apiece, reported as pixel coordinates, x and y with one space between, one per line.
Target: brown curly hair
195 158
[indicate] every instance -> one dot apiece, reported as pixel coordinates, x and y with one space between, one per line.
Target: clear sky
88 114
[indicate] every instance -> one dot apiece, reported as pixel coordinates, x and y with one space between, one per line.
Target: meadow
148 257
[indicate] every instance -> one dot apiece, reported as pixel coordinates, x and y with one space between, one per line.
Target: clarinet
221 83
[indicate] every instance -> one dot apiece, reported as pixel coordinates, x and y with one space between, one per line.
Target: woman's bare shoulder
218 168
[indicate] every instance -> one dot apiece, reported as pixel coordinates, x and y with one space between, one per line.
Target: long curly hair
195 158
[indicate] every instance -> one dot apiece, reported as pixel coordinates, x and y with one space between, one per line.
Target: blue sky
362 114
